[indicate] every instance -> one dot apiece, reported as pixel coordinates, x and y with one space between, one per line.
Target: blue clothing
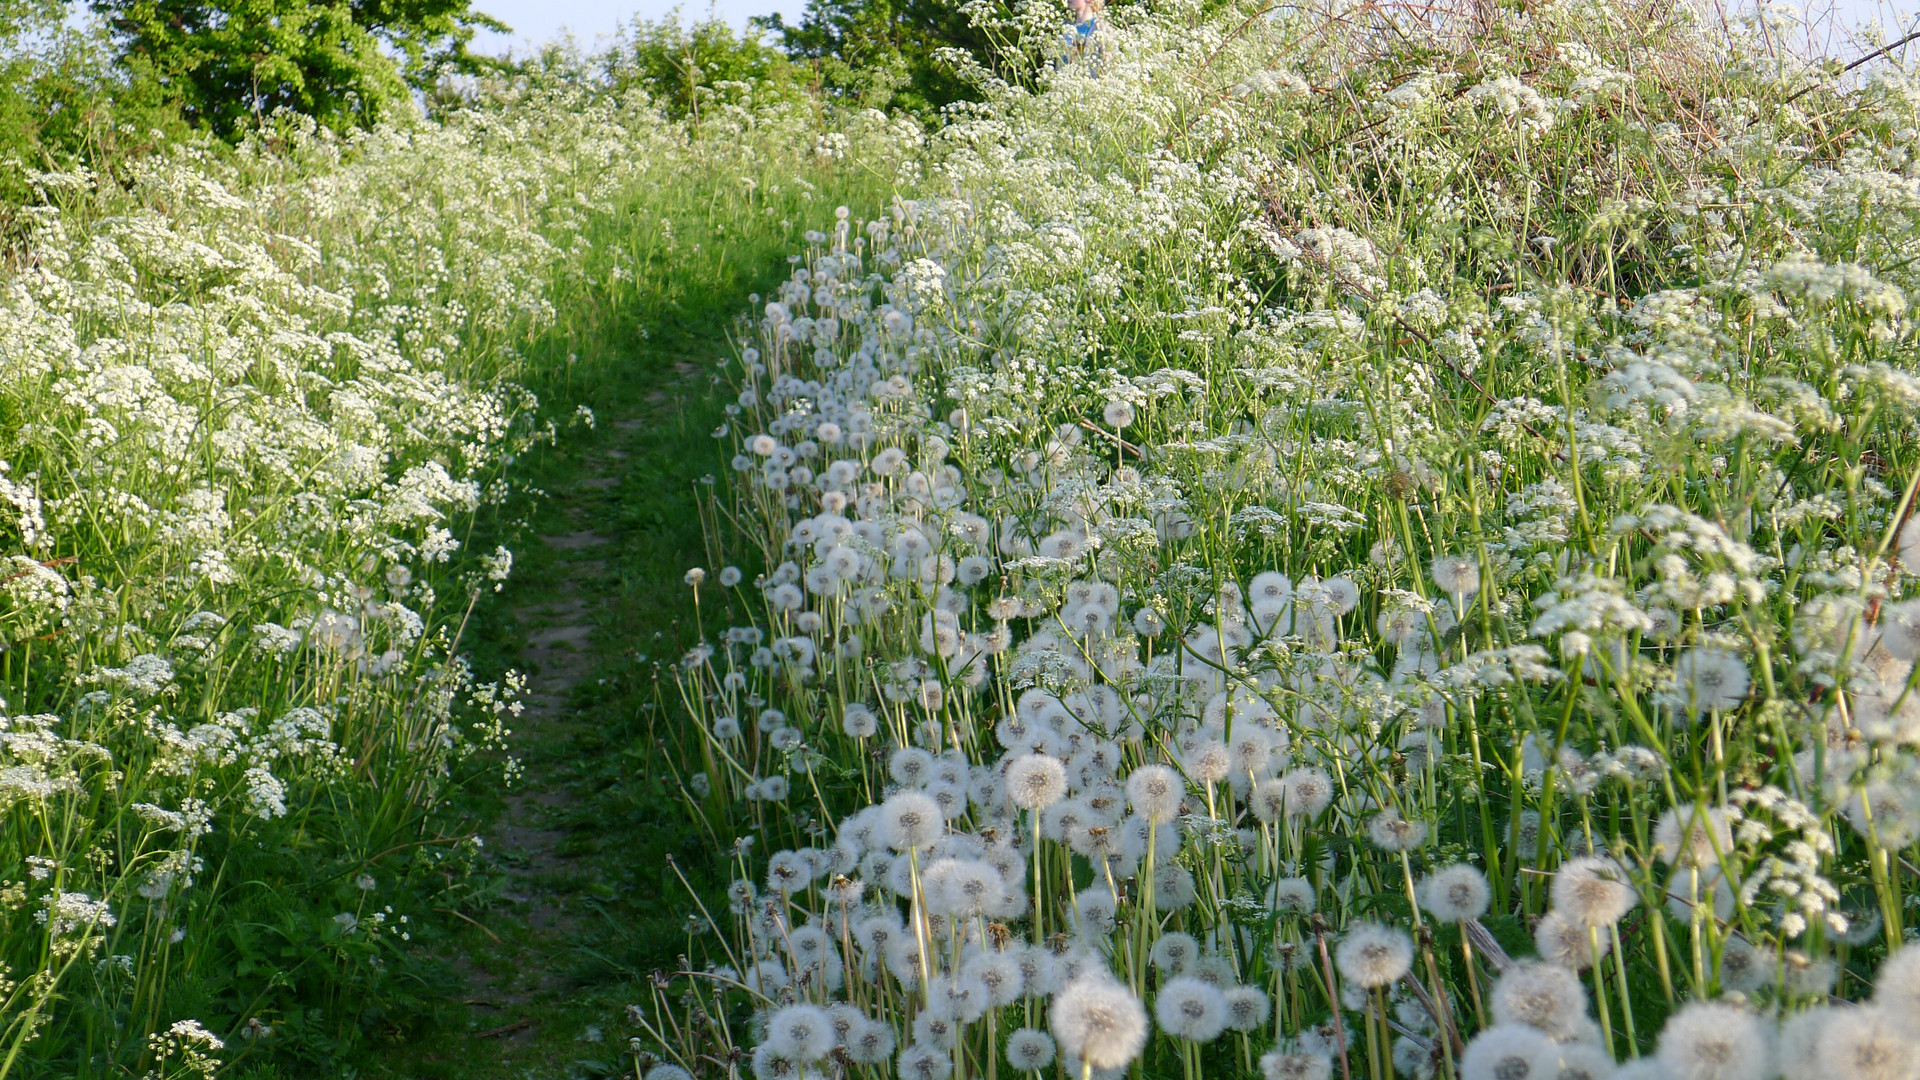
1080 42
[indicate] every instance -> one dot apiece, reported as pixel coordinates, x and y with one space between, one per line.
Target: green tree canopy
345 63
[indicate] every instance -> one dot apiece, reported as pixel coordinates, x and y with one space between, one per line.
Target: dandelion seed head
800 1032
1036 781
1372 955
1592 890
1456 893
1295 1065
1029 1050
1247 1008
911 819
1711 1040
1545 996
1098 1021
1510 1052
1192 1009
1456 575
1290 896
1155 793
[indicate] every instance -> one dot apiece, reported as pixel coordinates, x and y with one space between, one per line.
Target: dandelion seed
1098 1021
1568 943
922 1062
1297 1065
1308 792
1545 996
1155 793
870 1044
1371 955
1029 1050
1896 985
1456 575
1869 1044
1456 893
1707 680
1290 896
1188 1008
1742 968
1035 782
1692 836
1798 1051
1247 1008
1584 1061
859 722
1591 890
1510 1052
1711 1040
1174 952
800 1032
911 820
1392 833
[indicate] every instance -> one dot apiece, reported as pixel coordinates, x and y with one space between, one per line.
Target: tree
886 52
345 63
678 64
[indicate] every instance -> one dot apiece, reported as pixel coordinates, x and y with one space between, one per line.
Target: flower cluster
1404 568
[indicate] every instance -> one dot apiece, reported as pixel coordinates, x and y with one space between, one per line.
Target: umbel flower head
1099 1021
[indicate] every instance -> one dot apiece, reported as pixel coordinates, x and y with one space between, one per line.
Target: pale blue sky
536 21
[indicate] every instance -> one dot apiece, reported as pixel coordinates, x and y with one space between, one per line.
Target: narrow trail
573 910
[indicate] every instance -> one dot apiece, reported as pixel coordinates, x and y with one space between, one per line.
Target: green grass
642 359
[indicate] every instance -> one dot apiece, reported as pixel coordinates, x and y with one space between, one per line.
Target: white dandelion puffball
1308 792
859 722
1456 893
1188 1008
1896 985
910 819
1568 943
1118 415
1709 680
1036 781
1692 836
1900 627
1714 1040
1510 1052
1298 1065
1029 1050
800 1032
1155 792
1291 896
1546 997
1372 955
1592 890
1797 1053
1247 1008
1392 833
1457 575
1869 1044
923 1062
1099 1021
